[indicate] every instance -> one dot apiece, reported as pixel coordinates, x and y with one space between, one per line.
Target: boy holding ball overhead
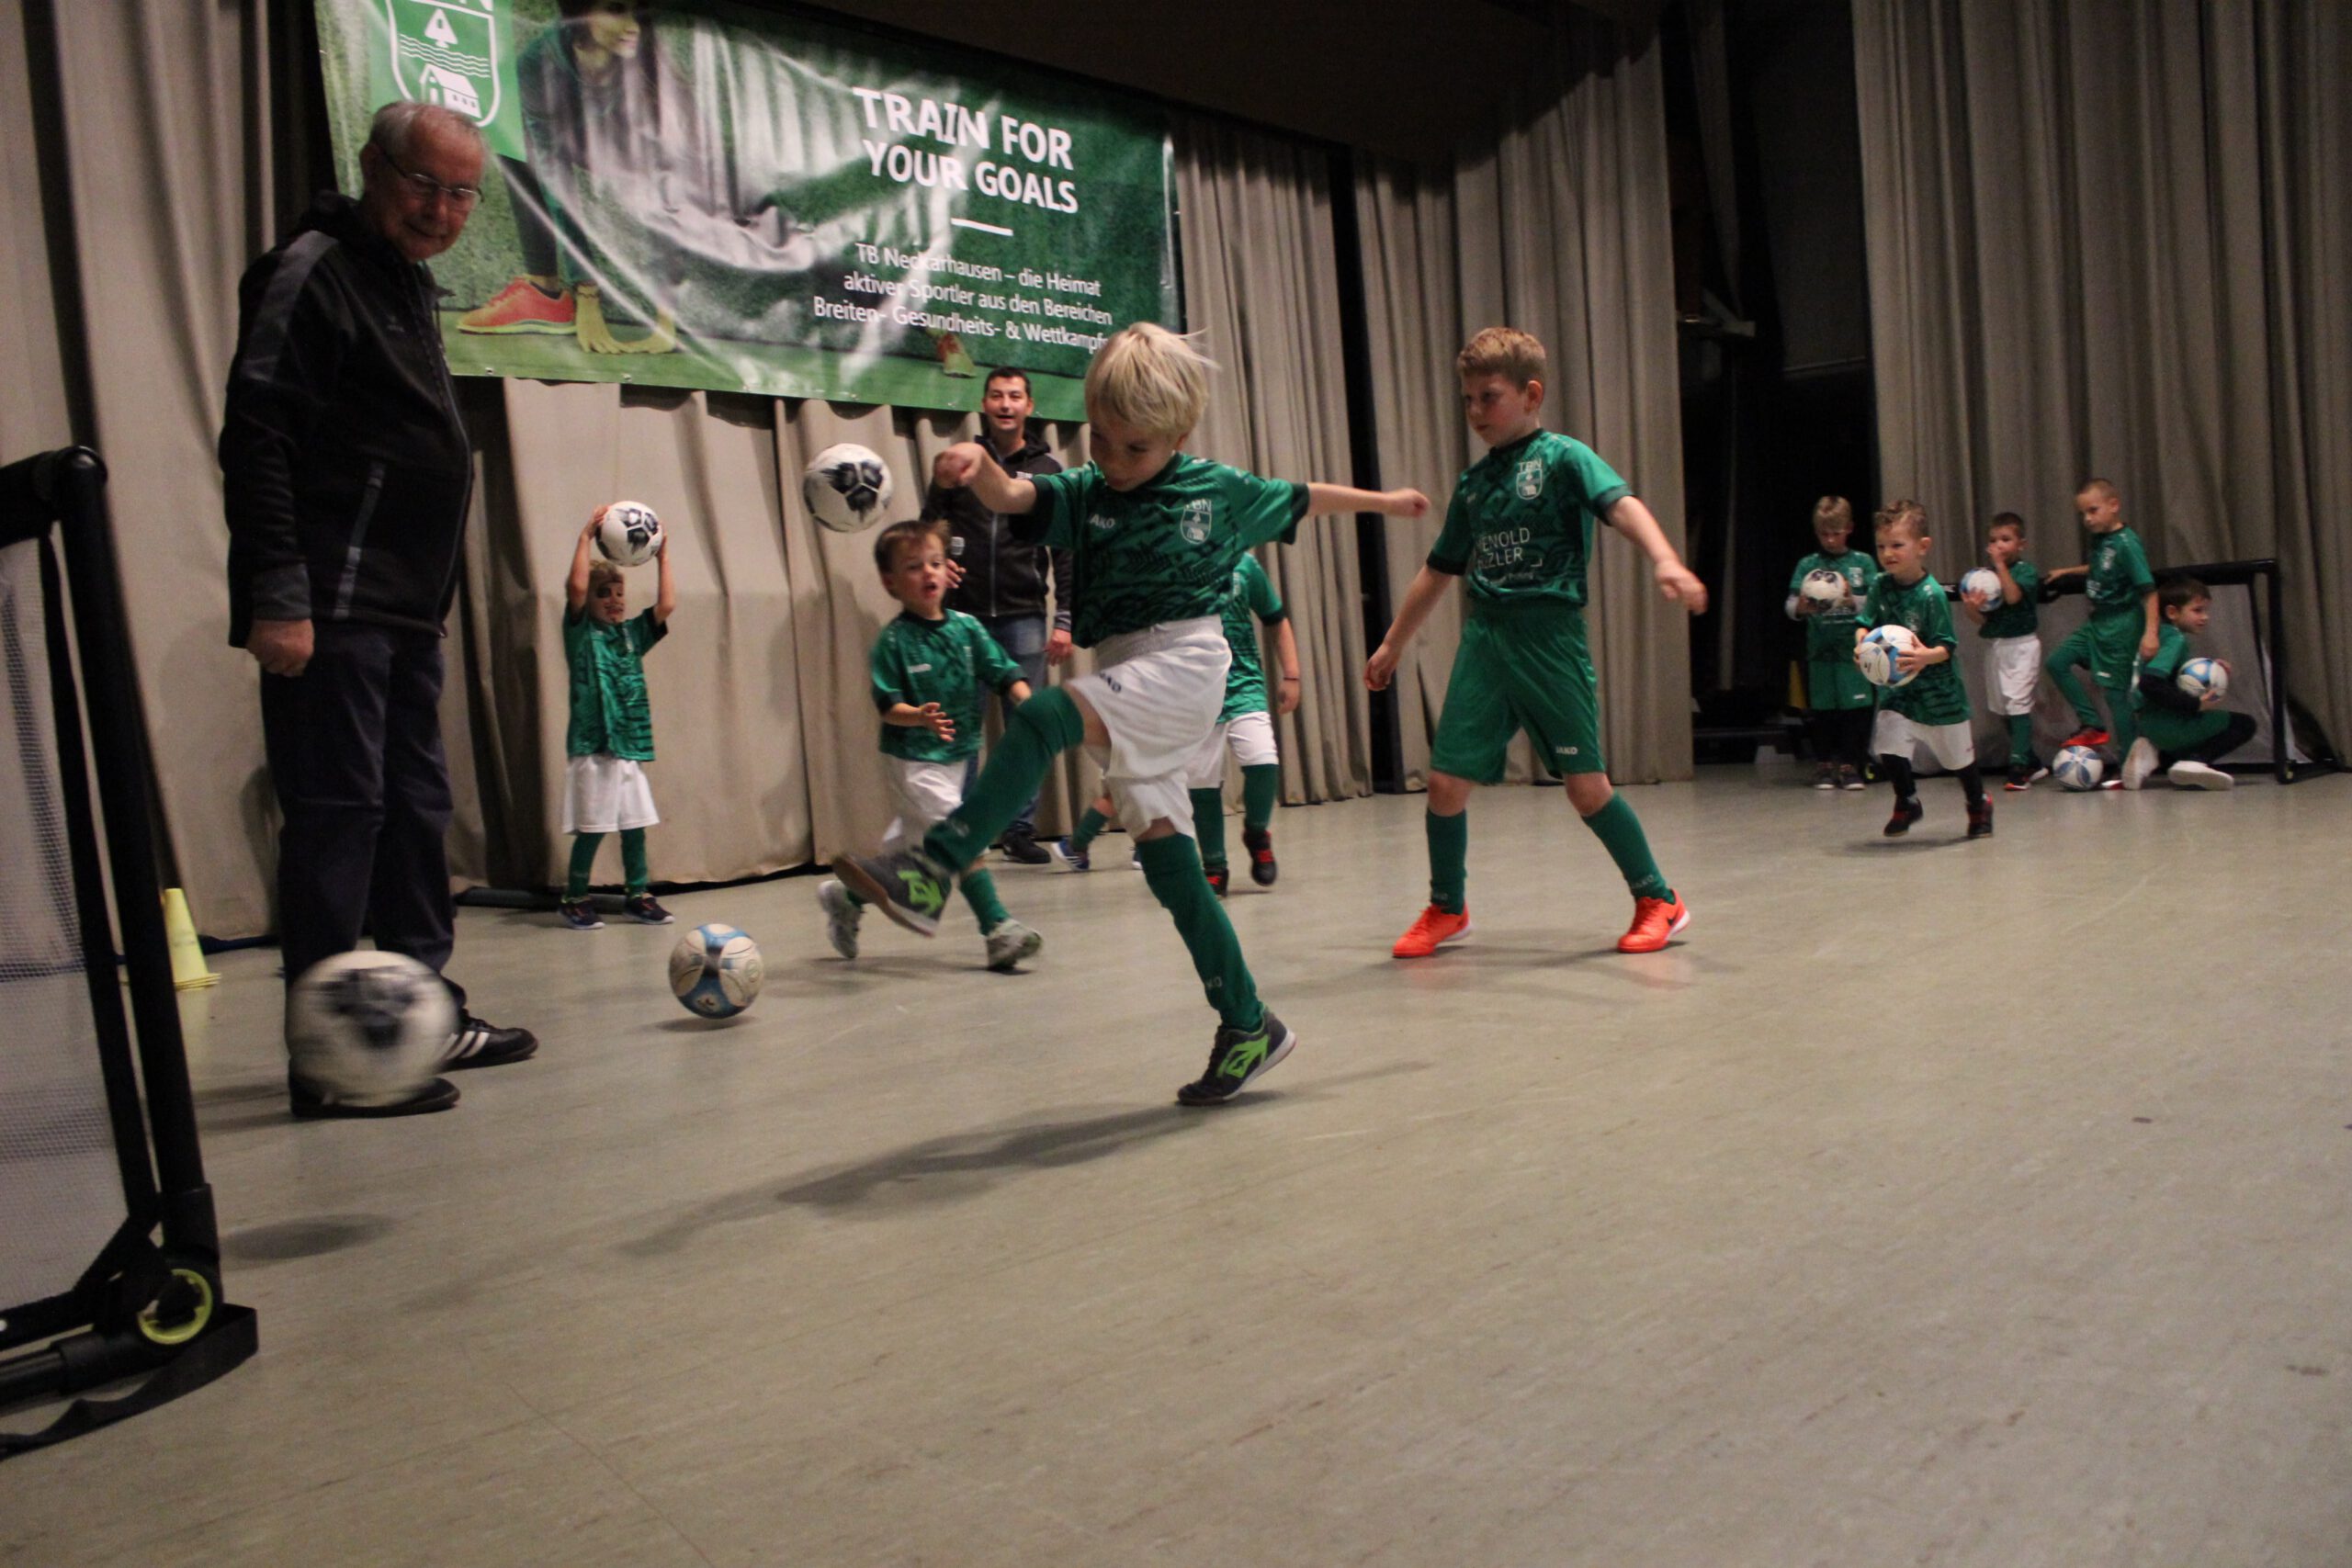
611 734
1929 709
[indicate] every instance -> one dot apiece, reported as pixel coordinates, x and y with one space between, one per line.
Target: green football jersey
2119 579
951 661
1520 525
1829 636
2172 652
1252 601
1163 551
1936 695
2024 617
610 710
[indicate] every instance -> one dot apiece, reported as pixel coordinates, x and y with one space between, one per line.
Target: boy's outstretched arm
1428 587
1677 581
1323 499
665 593
575 586
966 463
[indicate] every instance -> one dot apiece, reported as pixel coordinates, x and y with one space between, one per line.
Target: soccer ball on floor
629 534
715 971
1877 653
846 487
2078 768
2202 676
1981 588
368 1027
1823 587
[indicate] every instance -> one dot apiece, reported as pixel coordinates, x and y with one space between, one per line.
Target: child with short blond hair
1839 702
2124 624
1929 712
611 733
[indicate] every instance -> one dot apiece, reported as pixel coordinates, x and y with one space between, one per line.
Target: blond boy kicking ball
1155 534
1518 535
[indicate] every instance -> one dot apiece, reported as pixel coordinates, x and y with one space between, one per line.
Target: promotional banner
699 194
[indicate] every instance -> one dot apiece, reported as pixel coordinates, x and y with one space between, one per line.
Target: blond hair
2104 488
1901 515
600 572
1503 351
1833 509
1149 378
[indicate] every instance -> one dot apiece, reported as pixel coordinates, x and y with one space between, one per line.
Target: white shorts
1896 736
1250 737
604 794
2012 674
1156 692
924 793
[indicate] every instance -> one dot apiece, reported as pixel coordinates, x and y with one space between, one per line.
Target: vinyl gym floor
1928 1203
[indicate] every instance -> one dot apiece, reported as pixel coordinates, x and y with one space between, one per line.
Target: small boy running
1931 712
610 737
1519 532
932 669
1155 534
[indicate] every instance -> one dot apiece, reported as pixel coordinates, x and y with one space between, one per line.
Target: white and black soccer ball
1824 587
369 1028
2078 768
629 534
2202 676
715 971
1877 653
1981 587
846 487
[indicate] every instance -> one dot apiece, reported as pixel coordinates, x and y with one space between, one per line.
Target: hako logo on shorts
1102 521
1529 479
1194 522
1566 750
445 53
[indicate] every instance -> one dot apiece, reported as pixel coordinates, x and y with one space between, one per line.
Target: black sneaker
1824 775
2020 779
1260 845
1023 849
310 1103
906 884
1219 878
642 908
1238 1060
479 1043
1980 820
1850 778
580 915
1906 813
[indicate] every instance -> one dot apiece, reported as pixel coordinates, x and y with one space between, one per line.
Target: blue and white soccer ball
368 1027
846 487
715 971
1876 654
2201 676
629 534
1981 588
2078 768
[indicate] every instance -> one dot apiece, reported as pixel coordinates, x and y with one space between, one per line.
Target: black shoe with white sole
479 1043
1238 1059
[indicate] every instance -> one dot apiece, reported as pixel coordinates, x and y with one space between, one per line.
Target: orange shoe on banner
1432 930
520 306
1654 921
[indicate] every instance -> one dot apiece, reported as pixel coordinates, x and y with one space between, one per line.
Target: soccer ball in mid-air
629 534
368 1027
846 487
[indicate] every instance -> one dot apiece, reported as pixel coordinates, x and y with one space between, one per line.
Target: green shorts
1520 669
2109 646
2170 732
1836 685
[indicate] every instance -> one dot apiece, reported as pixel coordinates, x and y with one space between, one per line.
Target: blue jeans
1024 636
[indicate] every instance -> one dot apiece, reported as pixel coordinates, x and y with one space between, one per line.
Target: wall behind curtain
1558 226
2108 240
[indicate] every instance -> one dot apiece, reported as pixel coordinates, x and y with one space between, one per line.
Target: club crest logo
445 53
1194 522
1529 479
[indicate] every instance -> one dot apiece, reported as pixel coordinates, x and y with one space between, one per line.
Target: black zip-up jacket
1002 575
345 462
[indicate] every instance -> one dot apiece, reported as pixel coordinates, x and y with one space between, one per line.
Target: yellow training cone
188 970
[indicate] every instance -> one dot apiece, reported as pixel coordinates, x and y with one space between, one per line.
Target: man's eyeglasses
424 188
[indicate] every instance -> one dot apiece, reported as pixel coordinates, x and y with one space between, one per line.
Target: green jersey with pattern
951 661
2172 652
1830 635
1520 525
1937 694
1252 601
2024 617
610 711
1163 551
2119 579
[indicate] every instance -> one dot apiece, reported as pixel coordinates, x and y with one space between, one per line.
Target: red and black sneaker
1980 820
1906 813
2090 736
1218 878
521 307
1259 842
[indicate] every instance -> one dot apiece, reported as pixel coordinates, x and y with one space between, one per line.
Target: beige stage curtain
33 416
1557 226
2108 240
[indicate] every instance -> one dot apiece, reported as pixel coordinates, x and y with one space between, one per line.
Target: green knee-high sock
1620 832
2070 686
1260 786
980 892
633 866
1171 869
1448 859
1208 827
1089 827
1035 734
2020 740
583 861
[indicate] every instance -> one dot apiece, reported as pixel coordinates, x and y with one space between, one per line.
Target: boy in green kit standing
1519 534
2009 622
2124 625
1245 727
1839 703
